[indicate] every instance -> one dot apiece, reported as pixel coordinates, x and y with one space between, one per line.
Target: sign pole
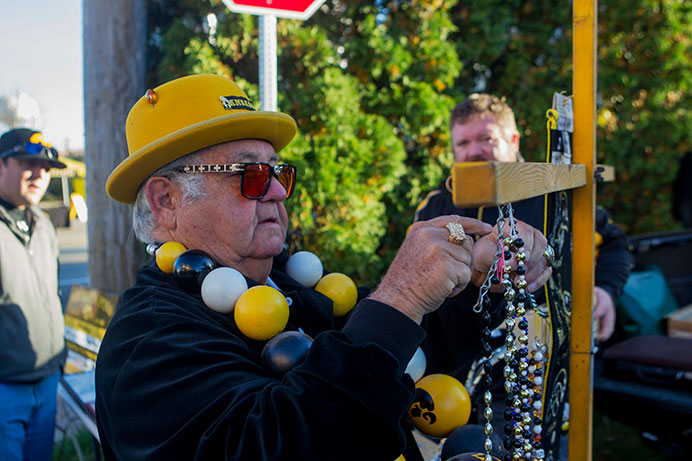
267 63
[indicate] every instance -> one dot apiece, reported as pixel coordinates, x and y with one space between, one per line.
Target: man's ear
164 198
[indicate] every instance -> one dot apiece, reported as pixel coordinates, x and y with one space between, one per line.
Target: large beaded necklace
260 312
523 371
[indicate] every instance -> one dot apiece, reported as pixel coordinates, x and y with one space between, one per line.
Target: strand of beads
522 430
482 307
511 372
536 370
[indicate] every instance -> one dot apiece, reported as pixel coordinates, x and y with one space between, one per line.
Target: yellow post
584 150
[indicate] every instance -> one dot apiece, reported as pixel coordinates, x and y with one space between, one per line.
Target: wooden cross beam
477 184
495 183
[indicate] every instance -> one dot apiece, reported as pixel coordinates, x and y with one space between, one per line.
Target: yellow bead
261 312
341 290
449 409
167 254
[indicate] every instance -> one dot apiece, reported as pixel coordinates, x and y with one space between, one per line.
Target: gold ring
549 255
456 233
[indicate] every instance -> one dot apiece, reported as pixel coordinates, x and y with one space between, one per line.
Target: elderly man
483 128
176 379
32 346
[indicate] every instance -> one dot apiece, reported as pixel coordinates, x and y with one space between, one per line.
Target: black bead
518 242
509 429
517 443
537 445
525 407
486 333
509 414
527 434
487 350
509 400
537 421
190 268
494 280
521 297
486 316
488 367
523 352
508 255
523 324
514 363
285 351
508 445
488 382
521 270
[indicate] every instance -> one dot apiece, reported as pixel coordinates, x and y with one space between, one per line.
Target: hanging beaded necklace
523 370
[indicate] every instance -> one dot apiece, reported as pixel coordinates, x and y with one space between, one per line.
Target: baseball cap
27 144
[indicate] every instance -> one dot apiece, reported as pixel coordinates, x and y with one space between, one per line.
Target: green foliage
371 84
523 50
645 115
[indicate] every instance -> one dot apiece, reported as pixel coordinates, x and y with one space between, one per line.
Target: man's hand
603 314
537 269
428 267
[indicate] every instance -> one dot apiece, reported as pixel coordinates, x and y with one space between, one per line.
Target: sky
41 57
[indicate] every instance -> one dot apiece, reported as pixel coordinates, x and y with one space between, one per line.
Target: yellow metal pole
584 24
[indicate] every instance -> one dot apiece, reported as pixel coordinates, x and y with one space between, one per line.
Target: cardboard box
679 322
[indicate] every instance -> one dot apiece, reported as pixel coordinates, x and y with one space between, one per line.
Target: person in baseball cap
23 143
31 318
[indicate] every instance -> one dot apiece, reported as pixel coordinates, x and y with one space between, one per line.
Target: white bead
537 429
305 268
538 356
416 366
222 287
537 404
538 380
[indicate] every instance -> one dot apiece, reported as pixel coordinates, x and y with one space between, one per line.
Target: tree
114 44
522 49
645 106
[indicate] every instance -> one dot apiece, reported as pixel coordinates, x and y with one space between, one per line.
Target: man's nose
276 190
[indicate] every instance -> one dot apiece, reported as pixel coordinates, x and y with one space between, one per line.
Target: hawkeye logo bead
236 102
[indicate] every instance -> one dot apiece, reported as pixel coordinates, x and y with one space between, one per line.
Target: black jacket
176 380
613 262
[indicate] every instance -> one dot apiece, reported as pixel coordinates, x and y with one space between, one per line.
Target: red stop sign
294 9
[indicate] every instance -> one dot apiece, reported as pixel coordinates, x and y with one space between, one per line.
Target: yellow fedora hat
186 115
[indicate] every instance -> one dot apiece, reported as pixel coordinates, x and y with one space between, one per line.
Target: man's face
23 182
234 230
483 139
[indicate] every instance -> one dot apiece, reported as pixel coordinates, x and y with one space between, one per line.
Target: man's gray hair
192 186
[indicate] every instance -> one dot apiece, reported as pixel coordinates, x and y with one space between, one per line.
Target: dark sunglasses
32 148
256 177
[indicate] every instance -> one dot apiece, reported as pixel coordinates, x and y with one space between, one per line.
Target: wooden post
114 73
584 151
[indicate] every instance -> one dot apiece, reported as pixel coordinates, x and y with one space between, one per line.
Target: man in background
32 345
483 128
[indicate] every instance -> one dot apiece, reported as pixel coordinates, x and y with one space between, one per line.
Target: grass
65 449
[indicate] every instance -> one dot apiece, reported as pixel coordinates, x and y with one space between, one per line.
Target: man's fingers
540 280
471 225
